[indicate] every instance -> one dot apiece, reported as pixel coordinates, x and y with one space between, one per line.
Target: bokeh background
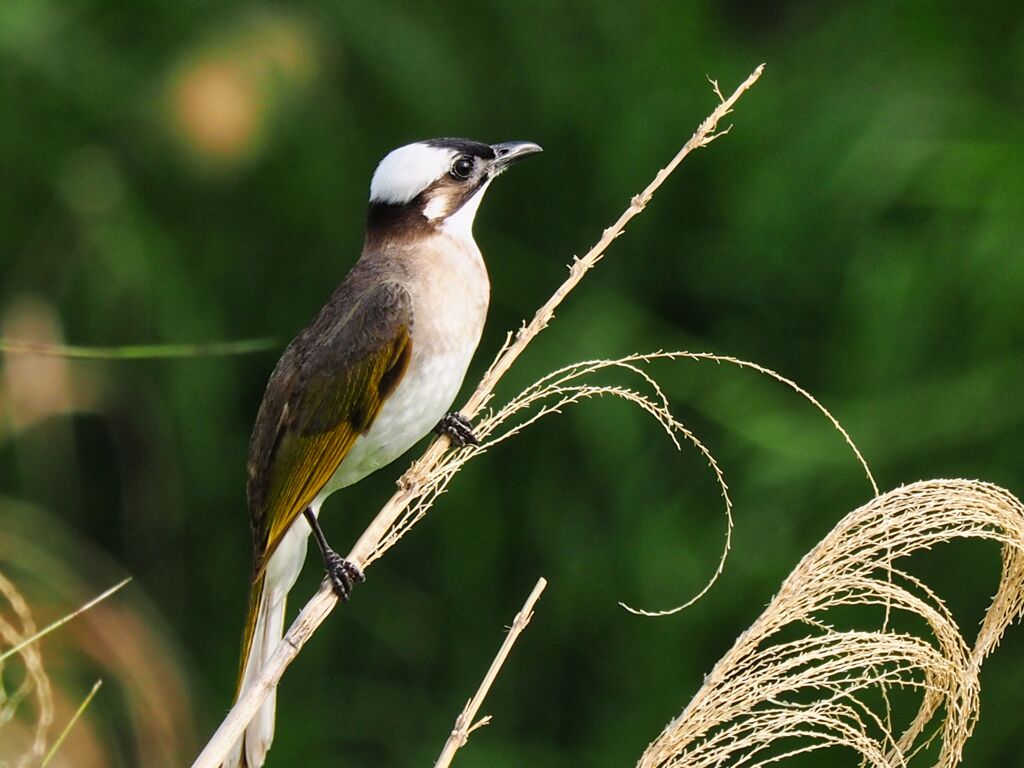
182 172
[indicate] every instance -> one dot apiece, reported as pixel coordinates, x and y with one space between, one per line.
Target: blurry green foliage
191 172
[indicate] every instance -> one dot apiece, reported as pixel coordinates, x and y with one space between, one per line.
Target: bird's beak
509 152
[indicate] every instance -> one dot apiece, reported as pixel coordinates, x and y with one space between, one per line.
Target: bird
375 371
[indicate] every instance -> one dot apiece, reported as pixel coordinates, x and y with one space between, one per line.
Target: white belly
449 307
423 397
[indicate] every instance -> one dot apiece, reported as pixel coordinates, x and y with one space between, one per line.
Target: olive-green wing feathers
325 392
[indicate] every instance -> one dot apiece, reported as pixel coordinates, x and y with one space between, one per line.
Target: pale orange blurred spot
218 108
37 387
226 95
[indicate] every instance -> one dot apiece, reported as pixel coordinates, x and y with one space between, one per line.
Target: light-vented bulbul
375 371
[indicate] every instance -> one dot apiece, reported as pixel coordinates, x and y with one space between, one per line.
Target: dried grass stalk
773 697
466 722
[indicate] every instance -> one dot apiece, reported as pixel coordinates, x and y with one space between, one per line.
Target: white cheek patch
436 207
407 171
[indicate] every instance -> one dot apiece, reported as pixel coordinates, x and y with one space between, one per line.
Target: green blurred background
189 172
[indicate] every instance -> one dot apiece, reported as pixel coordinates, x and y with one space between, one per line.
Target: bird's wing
325 392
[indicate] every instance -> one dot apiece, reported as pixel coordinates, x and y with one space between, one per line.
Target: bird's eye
462 167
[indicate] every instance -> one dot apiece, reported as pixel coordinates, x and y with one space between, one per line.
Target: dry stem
466 722
419 476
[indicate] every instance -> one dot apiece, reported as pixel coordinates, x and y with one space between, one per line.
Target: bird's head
437 184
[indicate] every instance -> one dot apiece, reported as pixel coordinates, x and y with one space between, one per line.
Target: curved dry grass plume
45 648
571 384
772 697
25 695
552 394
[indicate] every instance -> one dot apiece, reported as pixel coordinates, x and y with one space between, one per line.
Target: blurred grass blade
138 351
63 620
74 719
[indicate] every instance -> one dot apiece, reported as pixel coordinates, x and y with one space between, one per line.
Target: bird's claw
343 574
458 429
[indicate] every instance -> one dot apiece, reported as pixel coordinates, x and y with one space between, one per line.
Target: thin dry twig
466 722
421 474
771 697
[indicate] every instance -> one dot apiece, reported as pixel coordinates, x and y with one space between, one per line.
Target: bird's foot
458 429
343 574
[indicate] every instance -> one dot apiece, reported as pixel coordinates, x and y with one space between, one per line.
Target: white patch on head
460 224
407 171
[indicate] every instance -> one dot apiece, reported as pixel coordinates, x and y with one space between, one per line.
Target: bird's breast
450 292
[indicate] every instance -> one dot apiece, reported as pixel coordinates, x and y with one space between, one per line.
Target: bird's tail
263 630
